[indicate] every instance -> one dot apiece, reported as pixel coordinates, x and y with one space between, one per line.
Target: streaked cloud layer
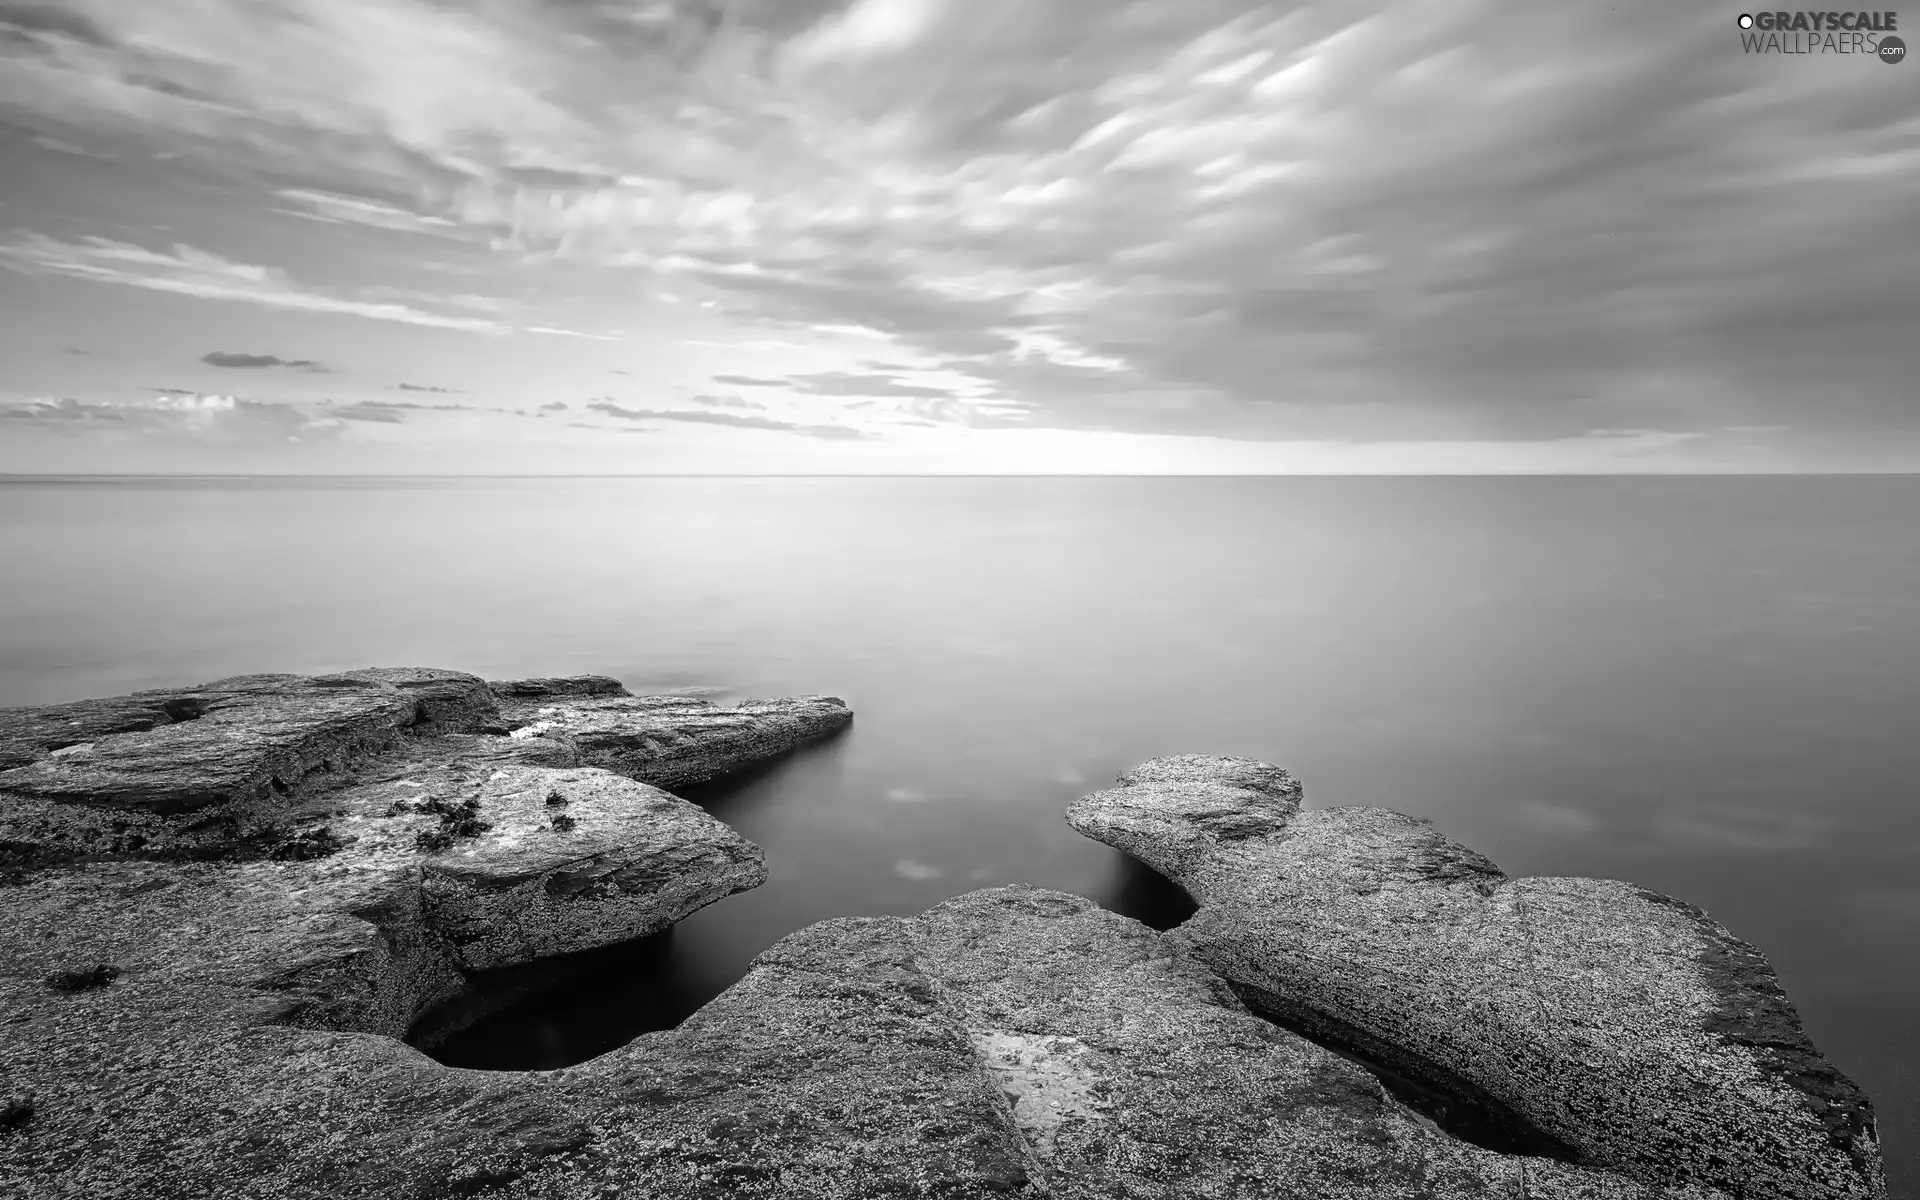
927 235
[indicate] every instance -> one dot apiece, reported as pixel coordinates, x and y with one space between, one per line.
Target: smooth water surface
1707 686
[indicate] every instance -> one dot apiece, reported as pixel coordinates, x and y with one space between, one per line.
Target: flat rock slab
227 903
246 766
671 741
1618 1027
574 860
1013 1042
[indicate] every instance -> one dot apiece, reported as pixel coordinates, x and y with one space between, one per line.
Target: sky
967 236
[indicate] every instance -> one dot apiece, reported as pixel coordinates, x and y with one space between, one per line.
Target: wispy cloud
1369 222
421 387
186 271
230 359
372 413
62 146
733 419
175 416
356 210
572 333
848 383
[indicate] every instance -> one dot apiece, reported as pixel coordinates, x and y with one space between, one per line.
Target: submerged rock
1617 1027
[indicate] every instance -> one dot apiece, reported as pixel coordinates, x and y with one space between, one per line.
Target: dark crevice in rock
15 1110
85 980
560 1011
1140 892
1457 1106
185 708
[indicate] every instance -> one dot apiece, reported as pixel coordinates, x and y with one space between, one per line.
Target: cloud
573 333
839 383
181 417
61 146
715 401
187 271
65 411
731 419
223 358
555 406
421 387
337 210
373 413
846 383
404 404
1363 222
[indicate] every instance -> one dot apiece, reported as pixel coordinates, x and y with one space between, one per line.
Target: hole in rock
559 1011
1459 1108
184 708
1138 891
565 1010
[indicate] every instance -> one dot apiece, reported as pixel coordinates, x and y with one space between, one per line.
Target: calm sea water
1707 686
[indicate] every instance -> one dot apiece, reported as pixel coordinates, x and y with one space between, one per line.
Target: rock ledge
1620 1028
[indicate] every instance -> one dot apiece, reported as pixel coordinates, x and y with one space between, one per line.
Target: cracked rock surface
207 970
1608 1024
262 882
668 741
1012 1042
256 765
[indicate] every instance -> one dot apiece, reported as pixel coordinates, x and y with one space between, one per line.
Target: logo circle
1892 50
1746 20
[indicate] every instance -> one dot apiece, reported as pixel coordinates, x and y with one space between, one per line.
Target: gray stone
674 741
1625 1028
229 743
252 766
570 685
630 861
190 1011
1014 1042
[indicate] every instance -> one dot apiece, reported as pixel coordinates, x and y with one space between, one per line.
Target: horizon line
73 475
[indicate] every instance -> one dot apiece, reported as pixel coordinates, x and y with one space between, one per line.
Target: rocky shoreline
229 903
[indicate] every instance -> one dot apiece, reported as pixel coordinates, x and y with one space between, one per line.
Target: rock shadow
1133 889
559 1011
